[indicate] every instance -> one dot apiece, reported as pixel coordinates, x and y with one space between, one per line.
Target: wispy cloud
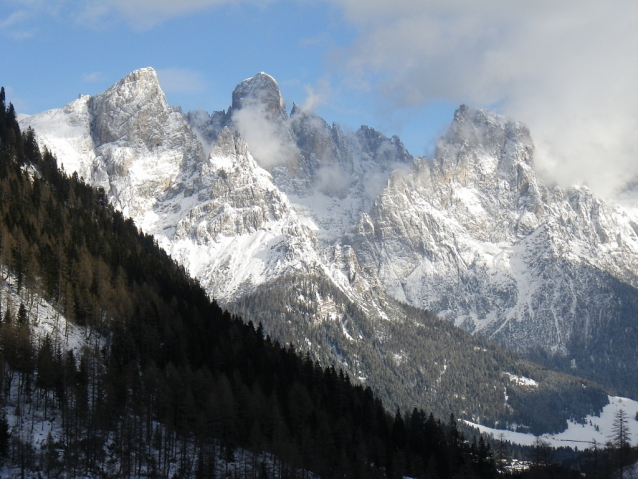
145 14
93 77
268 140
564 68
316 95
322 40
14 18
99 14
13 25
181 80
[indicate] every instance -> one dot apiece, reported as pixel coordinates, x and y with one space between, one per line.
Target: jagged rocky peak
492 156
322 145
296 110
207 126
133 129
481 146
134 109
383 150
314 138
260 92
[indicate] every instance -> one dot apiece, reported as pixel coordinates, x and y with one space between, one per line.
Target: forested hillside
448 369
174 385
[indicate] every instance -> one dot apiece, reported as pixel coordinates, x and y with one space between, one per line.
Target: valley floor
581 436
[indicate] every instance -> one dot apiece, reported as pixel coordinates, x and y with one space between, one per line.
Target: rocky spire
260 91
483 149
134 109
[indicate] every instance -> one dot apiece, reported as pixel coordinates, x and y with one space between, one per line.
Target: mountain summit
133 110
476 237
262 92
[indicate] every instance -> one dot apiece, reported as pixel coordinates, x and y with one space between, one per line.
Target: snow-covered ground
632 472
46 320
599 429
35 426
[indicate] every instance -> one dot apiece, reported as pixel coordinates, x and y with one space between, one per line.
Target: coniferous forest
169 384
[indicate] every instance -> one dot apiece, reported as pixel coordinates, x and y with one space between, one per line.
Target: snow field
578 435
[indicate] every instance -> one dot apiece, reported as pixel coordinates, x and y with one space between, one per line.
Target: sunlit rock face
473 235
260 91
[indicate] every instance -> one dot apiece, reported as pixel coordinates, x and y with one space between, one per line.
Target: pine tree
398 431
620 429
8 317
23 316
501 453
620 438
4 431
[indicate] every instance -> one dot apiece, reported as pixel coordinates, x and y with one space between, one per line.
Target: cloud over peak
564 68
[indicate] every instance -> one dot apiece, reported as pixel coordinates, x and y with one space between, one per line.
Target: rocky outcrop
260 92
133 111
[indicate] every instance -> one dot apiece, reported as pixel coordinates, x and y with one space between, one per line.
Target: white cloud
181 80
567 69
316 95
145 14
268 140
16 17
322 40
92 77
12 25
140 14
333 180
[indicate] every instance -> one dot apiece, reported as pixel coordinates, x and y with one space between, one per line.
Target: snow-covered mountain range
475 236
252 196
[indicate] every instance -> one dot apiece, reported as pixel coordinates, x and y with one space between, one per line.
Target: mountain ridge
470 234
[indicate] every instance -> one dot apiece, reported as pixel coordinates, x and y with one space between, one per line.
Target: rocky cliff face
474 236
239 231
261 92
471 234
331 175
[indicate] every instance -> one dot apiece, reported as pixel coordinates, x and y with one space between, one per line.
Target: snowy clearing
578 435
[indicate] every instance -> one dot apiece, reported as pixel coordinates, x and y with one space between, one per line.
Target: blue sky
566 69
200 57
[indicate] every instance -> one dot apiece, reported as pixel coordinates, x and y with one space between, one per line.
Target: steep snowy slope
67 133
